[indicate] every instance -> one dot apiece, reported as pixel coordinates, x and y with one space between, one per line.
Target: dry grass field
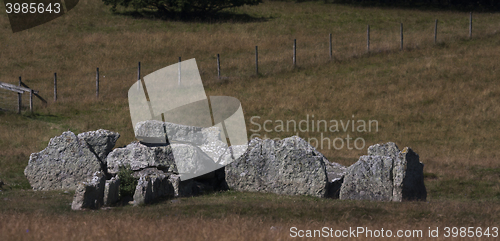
441 100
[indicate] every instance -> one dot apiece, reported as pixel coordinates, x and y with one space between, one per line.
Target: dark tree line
483 5
167 7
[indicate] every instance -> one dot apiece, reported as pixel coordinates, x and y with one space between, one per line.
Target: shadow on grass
220 17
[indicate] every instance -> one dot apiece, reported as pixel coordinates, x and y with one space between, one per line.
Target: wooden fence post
401 29
55 87
19 98
368 39
139 75
435 32
179 81
257 61
97 83
295 53
31 101
331 50
218 66
470 26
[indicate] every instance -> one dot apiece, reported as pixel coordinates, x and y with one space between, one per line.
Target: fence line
23 88
20 90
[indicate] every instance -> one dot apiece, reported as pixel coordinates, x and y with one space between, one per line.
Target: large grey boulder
100 142
289 166
139 156
152 131
412 175
370 178
208 139
65 162
196 150
386 174
90 194
112 191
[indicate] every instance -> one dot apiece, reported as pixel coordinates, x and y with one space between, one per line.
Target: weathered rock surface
150 171
289 166
90 194
334 171
208 139
196 150
151 130
191 161
408 171
154 185
100 142
140 156
144 191
213 145
232 153
388 149
386 174
370 178
181 188
65 162
112 191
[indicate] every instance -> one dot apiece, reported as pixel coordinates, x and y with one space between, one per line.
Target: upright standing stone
112 191
370 178
143 192
65 162
153 185
90 194
413 180
386 174
289 166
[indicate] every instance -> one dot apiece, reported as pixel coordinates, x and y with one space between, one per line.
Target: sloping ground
441 100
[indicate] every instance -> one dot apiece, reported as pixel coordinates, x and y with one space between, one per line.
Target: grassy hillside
441 100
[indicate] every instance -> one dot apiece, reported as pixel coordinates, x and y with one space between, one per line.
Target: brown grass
441 100
233 216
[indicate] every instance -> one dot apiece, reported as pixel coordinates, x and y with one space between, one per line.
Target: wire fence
264 61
